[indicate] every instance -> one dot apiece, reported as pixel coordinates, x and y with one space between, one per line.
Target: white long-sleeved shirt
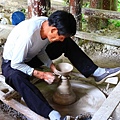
25 42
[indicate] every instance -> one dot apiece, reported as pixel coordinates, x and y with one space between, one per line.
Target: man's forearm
38 74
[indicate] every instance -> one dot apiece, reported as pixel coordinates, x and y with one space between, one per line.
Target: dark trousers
31 94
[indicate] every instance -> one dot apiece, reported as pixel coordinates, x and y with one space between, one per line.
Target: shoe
109 72
68 118
79 117
83 117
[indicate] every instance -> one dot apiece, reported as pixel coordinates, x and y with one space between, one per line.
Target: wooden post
98 23
93 22
108 5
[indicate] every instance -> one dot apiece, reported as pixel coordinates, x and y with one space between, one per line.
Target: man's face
53 35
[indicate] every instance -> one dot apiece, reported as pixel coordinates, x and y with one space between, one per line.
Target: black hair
64 22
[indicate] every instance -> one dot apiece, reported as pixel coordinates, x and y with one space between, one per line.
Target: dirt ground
102 55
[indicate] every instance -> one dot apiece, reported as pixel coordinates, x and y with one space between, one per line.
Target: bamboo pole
83 35
98 38
99 13
109 105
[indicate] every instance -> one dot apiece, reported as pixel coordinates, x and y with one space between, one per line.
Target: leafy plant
115 22
118 7
23 10
66 1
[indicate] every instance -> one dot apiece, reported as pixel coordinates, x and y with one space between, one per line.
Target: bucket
17 17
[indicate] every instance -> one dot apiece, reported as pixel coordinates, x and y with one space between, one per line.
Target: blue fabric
17 17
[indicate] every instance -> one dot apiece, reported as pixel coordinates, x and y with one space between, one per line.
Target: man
38 41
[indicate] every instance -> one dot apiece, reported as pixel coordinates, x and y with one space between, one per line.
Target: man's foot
110 72
68 118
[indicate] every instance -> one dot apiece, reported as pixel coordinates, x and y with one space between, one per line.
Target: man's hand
47 76
55 71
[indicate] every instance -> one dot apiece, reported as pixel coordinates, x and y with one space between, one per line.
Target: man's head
63 23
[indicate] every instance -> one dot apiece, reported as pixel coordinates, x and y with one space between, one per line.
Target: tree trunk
114 4
75 9
38 7
94 23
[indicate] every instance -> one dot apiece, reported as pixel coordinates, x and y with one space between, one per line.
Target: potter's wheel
89 98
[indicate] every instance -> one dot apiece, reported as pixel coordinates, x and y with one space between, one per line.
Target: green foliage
115 22
86 4
83 19
66 1
23 10
118 7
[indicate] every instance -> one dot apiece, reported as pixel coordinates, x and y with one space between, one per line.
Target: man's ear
54 30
